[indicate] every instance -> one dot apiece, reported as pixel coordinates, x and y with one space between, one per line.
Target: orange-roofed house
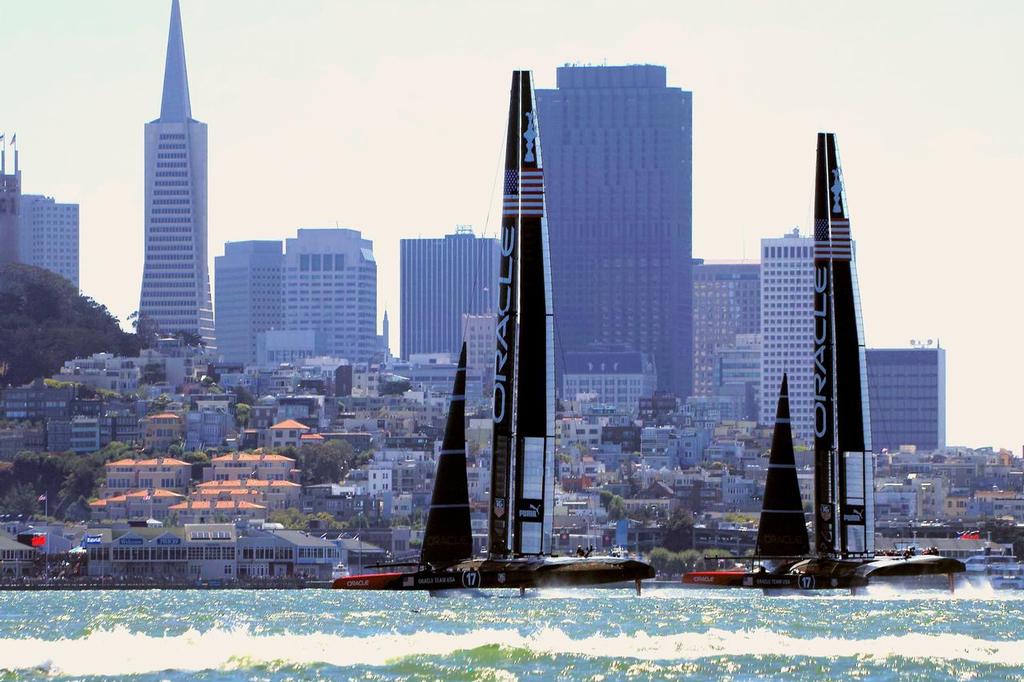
161 431
216 511
241 466
270 494
156 472
138 504
288 432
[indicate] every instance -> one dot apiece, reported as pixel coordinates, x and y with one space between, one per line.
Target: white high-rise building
787 329
176 277
330 286
49 235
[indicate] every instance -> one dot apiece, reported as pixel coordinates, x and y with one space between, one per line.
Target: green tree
691 558
659 559
291 518
20 499
616 508
159 403
44 321
675 564
679 531
242 413
326 462
198 460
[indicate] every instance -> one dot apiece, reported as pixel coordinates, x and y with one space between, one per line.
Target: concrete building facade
330 286
49 235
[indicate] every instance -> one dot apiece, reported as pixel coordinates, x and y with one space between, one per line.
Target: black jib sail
448 537
522 470
844 464
782 531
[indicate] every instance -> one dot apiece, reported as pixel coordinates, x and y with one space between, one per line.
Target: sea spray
121 652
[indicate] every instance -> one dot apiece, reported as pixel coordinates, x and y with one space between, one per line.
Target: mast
825 537
449 537
782 531
844 464
502 441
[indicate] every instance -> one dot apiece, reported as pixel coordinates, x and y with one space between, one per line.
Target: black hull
508 574
831 574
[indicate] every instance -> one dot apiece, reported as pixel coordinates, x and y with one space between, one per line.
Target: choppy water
576 634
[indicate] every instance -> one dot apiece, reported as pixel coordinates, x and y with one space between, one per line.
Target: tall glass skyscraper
907 395
249 296
618 178
176 277
442 280
726 303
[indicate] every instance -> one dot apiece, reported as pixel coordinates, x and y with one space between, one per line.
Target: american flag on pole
524 193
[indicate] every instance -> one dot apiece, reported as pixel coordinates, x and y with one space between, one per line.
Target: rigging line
494 180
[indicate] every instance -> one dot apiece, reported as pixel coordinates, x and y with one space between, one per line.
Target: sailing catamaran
520 512
844 466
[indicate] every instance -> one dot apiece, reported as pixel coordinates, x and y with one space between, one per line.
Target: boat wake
219 649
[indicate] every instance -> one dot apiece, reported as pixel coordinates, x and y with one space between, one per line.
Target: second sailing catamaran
520 511
844 466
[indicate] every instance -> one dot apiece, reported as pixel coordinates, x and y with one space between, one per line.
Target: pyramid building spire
175 105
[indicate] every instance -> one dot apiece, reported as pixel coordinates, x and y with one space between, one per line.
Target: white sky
388 117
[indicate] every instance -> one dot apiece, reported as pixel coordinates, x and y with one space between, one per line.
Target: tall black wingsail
825 536
522 469
855 462
448 537
535 394
782 531
844 464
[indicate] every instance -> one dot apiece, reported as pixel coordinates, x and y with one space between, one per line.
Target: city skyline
924 173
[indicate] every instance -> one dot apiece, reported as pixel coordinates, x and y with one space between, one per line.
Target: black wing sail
854 461
535 396
782 531
449 537
503 436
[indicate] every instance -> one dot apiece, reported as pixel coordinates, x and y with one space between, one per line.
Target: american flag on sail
841 247
832 241
822 242
524 192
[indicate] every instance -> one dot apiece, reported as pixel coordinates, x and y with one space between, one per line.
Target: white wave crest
120 652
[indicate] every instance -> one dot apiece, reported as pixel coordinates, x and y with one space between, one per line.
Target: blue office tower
618 164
